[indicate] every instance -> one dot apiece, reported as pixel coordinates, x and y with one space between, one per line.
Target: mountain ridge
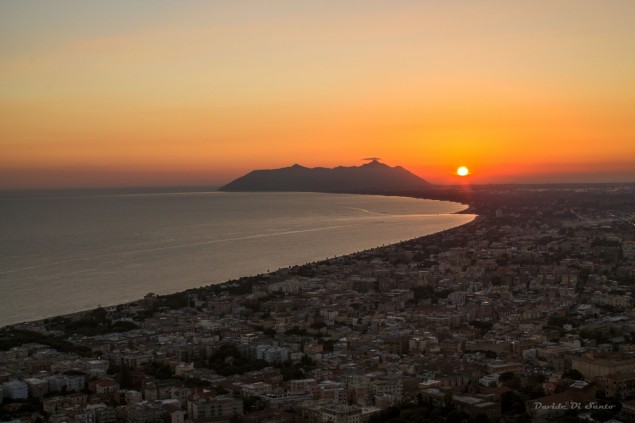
373 176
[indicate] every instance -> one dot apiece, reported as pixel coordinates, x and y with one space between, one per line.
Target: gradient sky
118 93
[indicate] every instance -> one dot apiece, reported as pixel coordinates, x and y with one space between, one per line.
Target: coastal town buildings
530 305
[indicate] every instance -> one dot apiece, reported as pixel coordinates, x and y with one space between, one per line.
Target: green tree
601 415
125 376
573 374
512 403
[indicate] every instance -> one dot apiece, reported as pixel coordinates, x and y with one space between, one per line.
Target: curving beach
62 254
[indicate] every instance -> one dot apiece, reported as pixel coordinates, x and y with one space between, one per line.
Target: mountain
372 177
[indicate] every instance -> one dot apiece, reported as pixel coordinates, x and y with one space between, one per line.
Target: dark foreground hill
372 177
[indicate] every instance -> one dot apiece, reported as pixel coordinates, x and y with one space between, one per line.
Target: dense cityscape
525 314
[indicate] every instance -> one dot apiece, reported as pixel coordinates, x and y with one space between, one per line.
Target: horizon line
215 186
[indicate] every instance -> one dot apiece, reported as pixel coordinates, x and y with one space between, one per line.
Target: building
594 367
70 383
579 394
620 385
103 386
271 415
435 397
96 368
15 389
133 397
491 379
284 400
214 408
501 367
53 405
628 411
79 414
272 354
176 415
258 388
628 249
341 413
303 385
143 413
37 387
474 405
103 413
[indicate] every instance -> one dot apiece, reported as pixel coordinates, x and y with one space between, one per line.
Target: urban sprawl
525 314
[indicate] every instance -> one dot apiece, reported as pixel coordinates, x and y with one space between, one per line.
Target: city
525 314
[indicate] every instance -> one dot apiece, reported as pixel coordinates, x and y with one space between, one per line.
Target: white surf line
155 194
365 211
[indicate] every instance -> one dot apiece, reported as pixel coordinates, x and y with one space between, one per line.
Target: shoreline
241 279
533 270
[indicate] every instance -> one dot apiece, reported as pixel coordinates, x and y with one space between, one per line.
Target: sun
463 171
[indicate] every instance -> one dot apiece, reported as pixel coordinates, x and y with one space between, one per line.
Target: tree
125 376
512 403
251 404
483 327
296 331
573 374
227 360
510 380
491 354
481 418
456 416
537 378
447 399
601 415
532 391
506 376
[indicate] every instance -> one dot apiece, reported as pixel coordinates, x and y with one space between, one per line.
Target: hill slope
372 177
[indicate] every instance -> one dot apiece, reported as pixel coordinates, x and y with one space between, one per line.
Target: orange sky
191 93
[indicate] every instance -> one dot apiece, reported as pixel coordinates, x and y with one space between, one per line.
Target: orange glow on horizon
99 97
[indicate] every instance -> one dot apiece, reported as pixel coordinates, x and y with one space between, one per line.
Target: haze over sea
65 252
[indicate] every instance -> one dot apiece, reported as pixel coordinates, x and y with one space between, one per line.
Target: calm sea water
65 253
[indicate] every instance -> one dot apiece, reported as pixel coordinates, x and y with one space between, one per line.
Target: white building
214 408
258 388
15 389
96 368
272 354
72 383
487 380
341 413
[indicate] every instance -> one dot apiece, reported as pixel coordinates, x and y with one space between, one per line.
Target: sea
67 251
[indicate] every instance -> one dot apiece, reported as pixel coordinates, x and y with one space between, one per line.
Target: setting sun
463 171
536 106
